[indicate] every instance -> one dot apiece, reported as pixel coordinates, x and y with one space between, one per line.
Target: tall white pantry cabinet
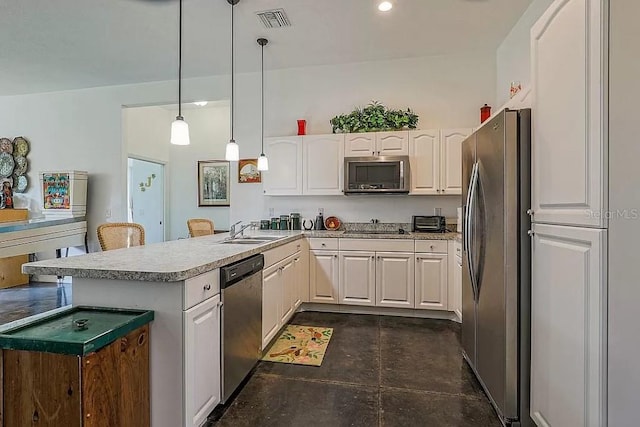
569 198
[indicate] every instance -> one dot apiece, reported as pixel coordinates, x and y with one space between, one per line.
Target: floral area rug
300 345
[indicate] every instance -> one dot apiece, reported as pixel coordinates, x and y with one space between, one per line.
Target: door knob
530 212
530 233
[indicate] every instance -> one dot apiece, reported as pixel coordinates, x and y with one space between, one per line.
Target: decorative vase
302 127
485 113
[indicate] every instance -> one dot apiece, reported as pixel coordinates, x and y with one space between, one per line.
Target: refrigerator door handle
469 232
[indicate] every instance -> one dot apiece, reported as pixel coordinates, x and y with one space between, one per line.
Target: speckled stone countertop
159 262
369 235
179 260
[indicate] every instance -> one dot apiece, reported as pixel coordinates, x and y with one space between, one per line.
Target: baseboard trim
382 311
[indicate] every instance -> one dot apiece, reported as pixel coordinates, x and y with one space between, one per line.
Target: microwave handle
402 174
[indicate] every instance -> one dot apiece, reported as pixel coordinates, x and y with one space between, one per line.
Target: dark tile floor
24 301
378 371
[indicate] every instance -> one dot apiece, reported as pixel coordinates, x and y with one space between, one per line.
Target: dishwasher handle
236 272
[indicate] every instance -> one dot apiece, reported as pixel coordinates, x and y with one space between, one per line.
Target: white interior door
146 198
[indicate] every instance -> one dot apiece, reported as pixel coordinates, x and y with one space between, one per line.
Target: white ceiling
66 44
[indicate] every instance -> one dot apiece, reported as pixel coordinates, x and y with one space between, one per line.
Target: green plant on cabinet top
374 117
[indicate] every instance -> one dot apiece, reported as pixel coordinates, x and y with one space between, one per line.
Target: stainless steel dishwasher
241 289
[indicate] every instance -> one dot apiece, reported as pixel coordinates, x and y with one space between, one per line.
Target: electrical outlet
107 213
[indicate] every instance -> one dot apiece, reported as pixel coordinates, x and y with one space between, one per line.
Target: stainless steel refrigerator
496 261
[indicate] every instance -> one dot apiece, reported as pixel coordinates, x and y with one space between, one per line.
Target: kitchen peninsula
404 274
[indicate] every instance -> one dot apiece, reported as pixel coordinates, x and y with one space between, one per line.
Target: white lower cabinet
357 278
201 360
568 326
431 281
289 289
271 302
323 276
395 280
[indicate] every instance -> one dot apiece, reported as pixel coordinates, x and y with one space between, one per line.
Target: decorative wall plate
21 165
8 179
21 185
6 146
20 146
6 165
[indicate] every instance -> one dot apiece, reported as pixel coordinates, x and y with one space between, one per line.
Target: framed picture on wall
248 172
213 183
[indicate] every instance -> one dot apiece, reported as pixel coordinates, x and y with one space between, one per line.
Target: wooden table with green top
85 366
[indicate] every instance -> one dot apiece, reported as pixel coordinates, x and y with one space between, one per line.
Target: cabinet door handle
530 233
530 212
372 258
323 244
335 256
418 259
207 287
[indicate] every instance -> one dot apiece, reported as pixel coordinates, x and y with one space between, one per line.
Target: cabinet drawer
457 249
323 244
200 288
378 245
276 255
439 246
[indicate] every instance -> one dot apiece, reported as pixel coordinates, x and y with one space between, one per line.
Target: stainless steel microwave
376 175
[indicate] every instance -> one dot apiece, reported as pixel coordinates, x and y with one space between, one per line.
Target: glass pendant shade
232 153
179 132
263 163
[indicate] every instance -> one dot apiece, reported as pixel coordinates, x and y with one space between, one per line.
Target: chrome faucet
233 233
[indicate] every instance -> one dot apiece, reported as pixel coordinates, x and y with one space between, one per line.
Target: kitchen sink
252 240
245 241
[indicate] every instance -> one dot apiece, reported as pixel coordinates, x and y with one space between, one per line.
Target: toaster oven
429 224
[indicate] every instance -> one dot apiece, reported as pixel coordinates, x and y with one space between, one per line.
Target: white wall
446 91
146 132
209 131
624 230
83 129
513 54
146 136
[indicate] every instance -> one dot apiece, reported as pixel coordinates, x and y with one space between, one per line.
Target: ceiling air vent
275 18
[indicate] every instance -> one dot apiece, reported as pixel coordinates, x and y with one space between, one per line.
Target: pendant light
263 162
232 152
180 128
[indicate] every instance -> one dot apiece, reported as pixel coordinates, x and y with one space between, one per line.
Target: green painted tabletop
61 333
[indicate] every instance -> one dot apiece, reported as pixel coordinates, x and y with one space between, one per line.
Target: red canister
485 113
302 127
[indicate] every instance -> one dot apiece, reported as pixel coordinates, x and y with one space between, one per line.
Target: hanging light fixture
232 152
263 162
180 128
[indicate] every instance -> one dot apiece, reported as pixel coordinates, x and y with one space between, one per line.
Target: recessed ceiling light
200 103
385 6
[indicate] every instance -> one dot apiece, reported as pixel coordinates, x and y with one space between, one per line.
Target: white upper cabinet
369 144
424 155
451 159
360 144
568 326
284 176
392 143
322 164
568 60
357 278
